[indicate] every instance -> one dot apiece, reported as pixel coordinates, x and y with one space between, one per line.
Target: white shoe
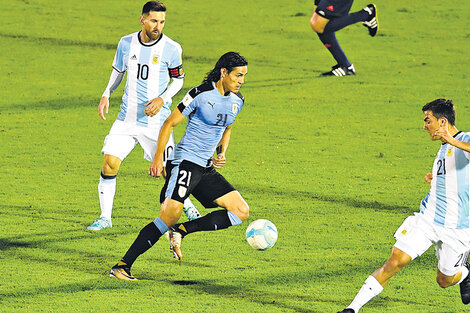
100 223
175 239
191 213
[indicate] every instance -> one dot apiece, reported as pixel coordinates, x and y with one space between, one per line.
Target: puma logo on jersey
211 104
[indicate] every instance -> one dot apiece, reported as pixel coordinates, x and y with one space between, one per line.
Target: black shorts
331 9
185 178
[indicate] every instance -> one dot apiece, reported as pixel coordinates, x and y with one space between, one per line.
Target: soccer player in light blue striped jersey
444 217
151 60
211 109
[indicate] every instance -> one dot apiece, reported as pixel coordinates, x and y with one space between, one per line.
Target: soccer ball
261 234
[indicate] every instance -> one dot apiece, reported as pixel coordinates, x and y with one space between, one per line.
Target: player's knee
111 166
243 211
246 212
444 281
395 265
170 211
316 25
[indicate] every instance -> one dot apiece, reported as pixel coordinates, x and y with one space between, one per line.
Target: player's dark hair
441 108
228 61
153 6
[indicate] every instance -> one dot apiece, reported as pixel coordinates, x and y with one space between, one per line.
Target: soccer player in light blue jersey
444 217
151 60
211 109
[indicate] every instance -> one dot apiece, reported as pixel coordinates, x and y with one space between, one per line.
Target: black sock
213 221
147 237
332 44
340 22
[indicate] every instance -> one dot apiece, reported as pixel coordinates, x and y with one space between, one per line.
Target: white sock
464 270
370 289
187 204
106 191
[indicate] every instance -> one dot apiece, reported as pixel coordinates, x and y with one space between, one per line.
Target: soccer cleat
100 223
175 239
191 213
121 271
340 71
465 287
347 311
372 23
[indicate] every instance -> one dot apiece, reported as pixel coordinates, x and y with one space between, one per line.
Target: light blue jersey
149 68
447 203
209 113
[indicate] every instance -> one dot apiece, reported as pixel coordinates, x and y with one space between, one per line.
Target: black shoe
121 271
373 22
340 71
347 311
465 287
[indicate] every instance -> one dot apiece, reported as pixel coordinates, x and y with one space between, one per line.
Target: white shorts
416 234
123 137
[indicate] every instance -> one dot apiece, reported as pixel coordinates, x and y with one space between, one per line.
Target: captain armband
176 72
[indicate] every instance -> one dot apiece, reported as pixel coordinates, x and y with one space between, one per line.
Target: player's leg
117 146
318 24
330 16
148 142
235 211
169 214
411 243
324 13
453 268
375 283
212 191
178 186
367 15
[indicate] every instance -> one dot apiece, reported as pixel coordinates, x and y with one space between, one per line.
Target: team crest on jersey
450 152
155 59
182 191
234 108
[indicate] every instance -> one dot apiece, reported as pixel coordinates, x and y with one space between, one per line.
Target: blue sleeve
175 58
465 137
191 107
122 54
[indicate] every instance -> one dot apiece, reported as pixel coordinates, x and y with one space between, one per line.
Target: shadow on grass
89 285
295 300
59 41
55 104
306 195
89 44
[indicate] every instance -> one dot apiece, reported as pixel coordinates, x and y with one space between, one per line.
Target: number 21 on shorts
184 179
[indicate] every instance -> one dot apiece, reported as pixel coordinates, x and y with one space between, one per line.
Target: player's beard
153 36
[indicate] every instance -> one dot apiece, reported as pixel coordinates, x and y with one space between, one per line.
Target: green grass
336 164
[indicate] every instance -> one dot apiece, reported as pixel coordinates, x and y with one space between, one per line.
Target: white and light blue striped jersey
149 68
447 203
209 113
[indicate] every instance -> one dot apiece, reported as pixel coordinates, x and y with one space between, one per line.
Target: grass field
336 164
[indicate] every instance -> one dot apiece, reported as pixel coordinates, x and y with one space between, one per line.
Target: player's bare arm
156 169
103 107
447 136
220 160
